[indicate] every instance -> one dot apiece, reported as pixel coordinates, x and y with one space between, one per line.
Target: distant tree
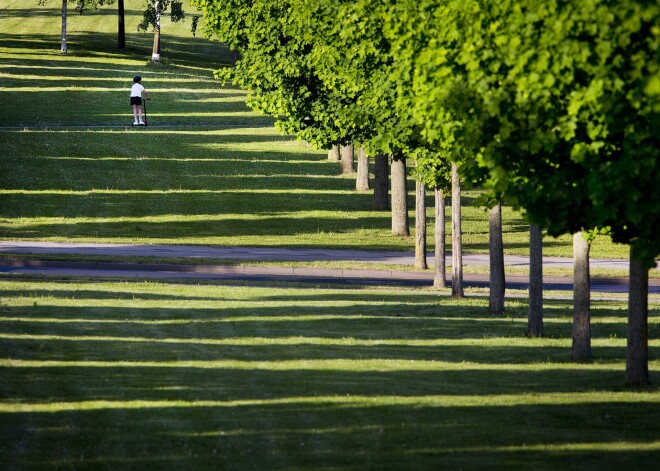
80 6
152 16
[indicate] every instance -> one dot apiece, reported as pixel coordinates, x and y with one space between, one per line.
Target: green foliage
557 100
154 8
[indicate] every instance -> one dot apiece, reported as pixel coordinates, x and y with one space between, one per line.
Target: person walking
136 100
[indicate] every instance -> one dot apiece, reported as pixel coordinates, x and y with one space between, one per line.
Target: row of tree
552 106
151 19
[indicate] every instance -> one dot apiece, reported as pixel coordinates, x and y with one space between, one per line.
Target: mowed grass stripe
504 400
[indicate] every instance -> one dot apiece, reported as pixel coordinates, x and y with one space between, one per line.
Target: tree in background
152 16
80 6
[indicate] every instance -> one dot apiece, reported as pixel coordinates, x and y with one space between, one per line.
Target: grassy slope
209 171
134 375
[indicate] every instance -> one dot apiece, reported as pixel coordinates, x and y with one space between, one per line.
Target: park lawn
139 375
208 170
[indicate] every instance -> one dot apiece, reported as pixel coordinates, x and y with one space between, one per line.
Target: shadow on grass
330 403
336 436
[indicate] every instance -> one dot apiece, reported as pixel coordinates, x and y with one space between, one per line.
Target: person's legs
135 114
140 114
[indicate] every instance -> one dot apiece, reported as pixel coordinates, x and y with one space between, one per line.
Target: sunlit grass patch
361 376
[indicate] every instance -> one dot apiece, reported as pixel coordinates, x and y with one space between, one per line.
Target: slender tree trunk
155 53
420 226
496 250
440 277
457 243
381 182
581 349
347 157
63 43
535 313
333 153
637 350
362 180
400 224
121 28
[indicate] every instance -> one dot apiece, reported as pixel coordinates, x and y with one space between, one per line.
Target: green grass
137 375
208 170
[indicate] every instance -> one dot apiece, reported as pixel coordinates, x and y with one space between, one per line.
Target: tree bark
155 53
362 180
581 349
535 313
496 251
333 153
63 43
381 182
440 276
121 28
420 226
347 156
457 243
637 349
400 223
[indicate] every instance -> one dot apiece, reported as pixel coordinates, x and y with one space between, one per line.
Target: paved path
274 254
178 271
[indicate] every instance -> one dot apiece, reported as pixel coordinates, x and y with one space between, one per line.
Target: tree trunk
121 29
496 250
440 277
456 244
400 224
63 43
155 53
420 226
535 313
333 153
362 180
637 350
347 156
381 183
581 349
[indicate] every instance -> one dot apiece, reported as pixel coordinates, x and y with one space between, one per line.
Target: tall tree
381 182
420 225
457 290
637 347
559 102
334 154
440 275
348 158
362 180
496 254
581 347
400 222
535 309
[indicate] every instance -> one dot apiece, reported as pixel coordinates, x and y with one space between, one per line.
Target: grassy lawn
135 375
173 375
207 171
